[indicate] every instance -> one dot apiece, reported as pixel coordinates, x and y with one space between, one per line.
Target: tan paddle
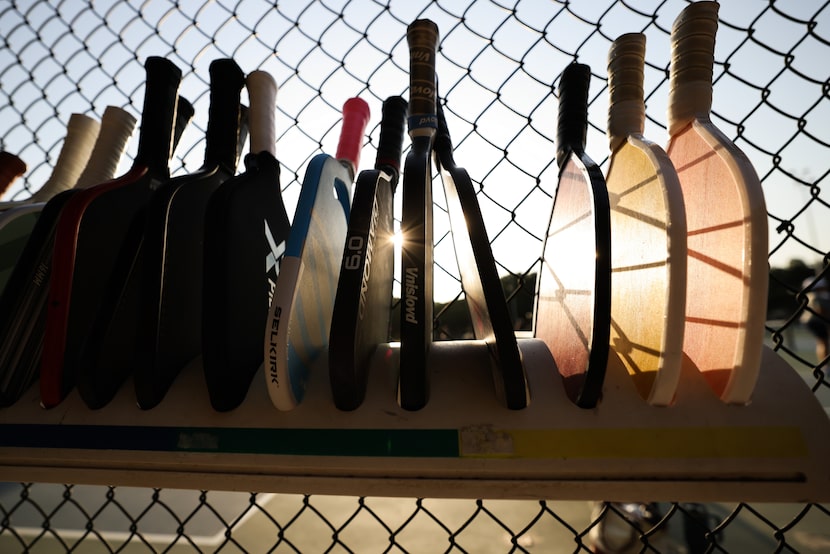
726 293
648 224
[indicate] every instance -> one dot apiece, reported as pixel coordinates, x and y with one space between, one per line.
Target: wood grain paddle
648 223
573 301
726 216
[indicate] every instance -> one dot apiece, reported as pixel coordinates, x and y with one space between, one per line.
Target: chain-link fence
499 66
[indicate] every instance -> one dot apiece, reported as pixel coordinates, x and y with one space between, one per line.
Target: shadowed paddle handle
390 143
355 119
626 110
422 37
161 92
572 129
262 93
692 61
222 138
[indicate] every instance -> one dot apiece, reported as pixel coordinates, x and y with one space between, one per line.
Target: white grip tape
262 95
81 132
117 126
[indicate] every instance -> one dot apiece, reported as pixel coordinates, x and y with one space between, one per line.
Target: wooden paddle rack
462 444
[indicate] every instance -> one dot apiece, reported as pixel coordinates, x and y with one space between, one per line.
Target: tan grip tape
693 58
626 111
262 95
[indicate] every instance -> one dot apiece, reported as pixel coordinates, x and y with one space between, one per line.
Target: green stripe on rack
429 443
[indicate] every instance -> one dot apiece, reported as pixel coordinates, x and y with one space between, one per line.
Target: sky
498 66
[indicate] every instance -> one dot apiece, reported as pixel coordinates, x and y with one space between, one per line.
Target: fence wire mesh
499 65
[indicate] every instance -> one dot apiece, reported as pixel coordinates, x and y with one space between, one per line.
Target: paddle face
727 266
89 233
649 275
416 275
16 225
479 278
170 316
108 351
572 313
299 319
23 304
363 301
246 228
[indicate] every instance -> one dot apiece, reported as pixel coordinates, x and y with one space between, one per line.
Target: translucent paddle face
565 309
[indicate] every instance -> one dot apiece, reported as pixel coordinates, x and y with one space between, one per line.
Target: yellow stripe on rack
659 442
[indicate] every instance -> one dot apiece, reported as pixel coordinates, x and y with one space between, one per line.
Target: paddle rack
462 444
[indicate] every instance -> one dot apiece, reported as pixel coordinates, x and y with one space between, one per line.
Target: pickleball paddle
416 219
299 318
648 223
363 301
573 300
479 277
246 227
728 273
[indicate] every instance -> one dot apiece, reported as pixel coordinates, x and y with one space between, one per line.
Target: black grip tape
573 110
161 93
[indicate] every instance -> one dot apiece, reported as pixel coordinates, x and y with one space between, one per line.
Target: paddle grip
692 62
222 138
355 119
11 167
81 132
184 113
572 130
626 110
422 37
390 143
262 95
116 128
155 139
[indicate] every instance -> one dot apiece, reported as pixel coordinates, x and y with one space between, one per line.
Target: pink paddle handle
355 119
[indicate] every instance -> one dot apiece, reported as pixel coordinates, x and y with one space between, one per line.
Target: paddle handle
155 138
262 96
11 167
422 37
390 143
572 129
117 126
626 110
355 118
222 138
692 61
184 113
81 132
